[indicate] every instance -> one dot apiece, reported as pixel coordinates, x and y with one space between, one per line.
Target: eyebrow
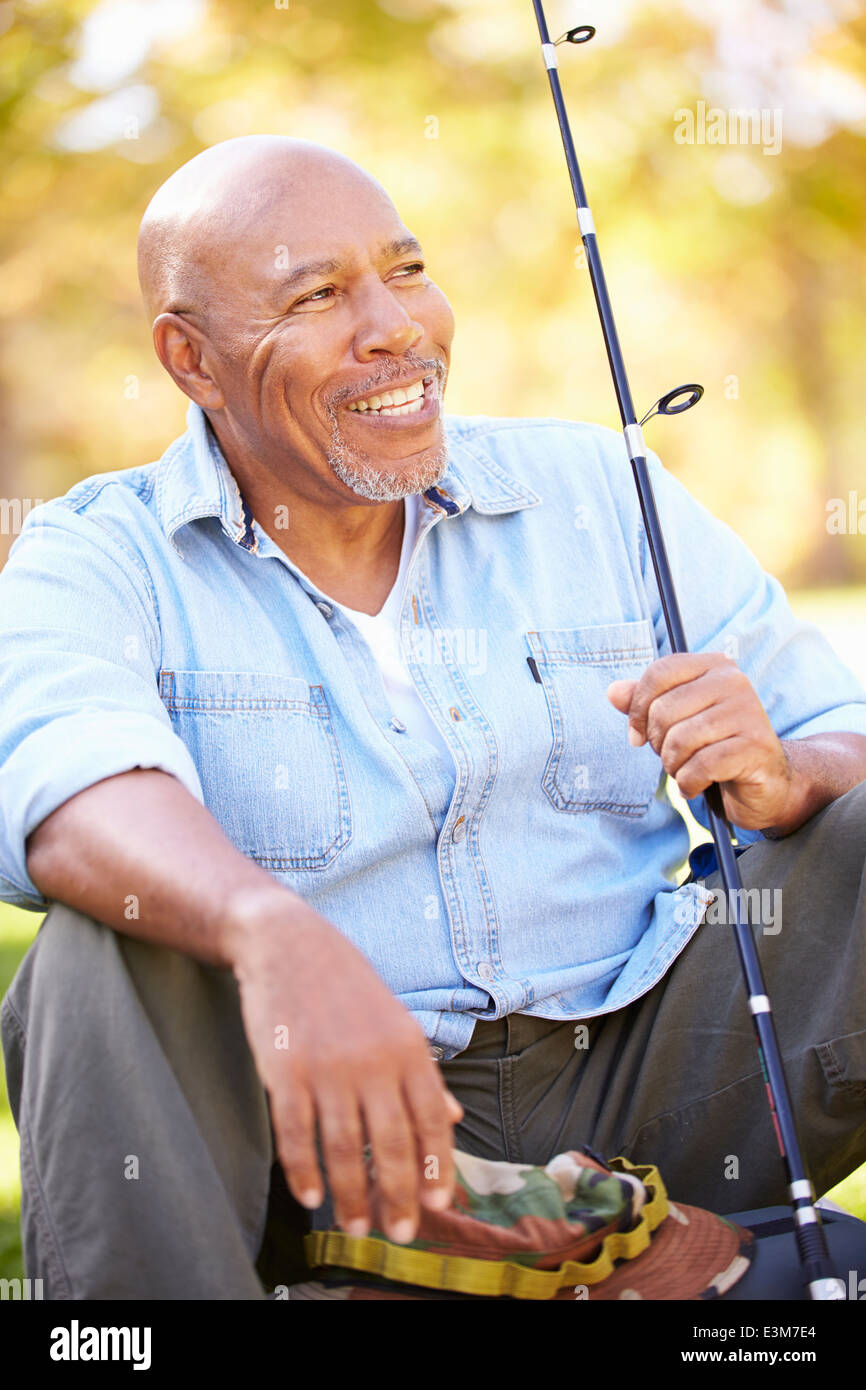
308 270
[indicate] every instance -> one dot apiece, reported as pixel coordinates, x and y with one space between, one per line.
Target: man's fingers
410 1137
433 1113
720 762
682 705
295 1138
392 1141
665 674
342 1138
704 733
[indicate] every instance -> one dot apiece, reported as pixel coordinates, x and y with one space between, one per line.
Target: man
314 733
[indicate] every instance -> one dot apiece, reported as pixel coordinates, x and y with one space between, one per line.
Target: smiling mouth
419 398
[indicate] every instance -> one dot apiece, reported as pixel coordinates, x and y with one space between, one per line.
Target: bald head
284 288
197 225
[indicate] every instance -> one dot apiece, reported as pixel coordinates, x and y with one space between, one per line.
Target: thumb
619 693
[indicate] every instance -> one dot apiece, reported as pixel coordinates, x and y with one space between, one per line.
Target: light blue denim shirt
147 620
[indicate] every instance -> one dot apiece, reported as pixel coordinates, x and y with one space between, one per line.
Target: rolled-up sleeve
730 604
79 662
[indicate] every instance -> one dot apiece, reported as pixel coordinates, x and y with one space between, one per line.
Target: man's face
296 344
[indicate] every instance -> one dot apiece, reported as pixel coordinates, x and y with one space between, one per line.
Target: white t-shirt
381 632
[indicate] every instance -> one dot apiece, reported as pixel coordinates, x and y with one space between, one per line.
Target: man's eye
326 289
416 268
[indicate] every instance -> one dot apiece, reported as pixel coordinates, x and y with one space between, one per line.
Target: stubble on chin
355 468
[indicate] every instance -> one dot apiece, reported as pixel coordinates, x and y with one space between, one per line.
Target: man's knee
84 987
68 945
63 932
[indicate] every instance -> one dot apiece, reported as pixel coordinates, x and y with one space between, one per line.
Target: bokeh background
735 257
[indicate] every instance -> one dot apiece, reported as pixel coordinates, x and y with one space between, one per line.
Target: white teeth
410 408
398 400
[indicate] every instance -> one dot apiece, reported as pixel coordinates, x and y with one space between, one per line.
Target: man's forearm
141 854
823 767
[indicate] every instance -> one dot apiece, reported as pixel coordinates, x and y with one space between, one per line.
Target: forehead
295 274
321 224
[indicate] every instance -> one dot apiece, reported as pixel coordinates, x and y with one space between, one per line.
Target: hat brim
693 1254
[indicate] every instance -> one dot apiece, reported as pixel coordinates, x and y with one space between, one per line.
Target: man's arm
761 704
102 802
823 767
138 852
113 852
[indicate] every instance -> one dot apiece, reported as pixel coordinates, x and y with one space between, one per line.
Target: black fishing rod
818 1274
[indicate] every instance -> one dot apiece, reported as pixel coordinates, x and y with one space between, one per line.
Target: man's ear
179 348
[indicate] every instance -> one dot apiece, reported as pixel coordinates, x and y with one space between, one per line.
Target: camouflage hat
577 1228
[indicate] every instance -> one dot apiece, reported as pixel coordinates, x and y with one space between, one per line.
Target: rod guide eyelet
581 33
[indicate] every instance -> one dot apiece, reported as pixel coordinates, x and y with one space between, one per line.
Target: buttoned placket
466 891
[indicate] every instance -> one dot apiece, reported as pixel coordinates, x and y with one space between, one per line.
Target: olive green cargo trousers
147 1160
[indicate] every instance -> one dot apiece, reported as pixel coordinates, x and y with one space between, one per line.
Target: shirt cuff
64 757
844 719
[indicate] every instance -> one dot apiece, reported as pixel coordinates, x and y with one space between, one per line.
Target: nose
383 322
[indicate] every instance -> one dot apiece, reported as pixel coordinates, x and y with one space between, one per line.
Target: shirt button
459 830
437 1052
485 971
325 609
398 726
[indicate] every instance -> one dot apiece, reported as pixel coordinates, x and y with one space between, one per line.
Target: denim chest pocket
268 760
592 766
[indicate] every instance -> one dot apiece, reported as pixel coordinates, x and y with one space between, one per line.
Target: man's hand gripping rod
815 1261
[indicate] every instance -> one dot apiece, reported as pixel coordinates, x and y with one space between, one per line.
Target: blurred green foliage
727 265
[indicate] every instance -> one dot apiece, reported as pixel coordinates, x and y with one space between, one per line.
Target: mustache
433 366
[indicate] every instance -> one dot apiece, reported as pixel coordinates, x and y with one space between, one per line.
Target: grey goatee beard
354 468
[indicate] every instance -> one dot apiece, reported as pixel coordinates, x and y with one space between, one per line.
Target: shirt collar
195 481
473 477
